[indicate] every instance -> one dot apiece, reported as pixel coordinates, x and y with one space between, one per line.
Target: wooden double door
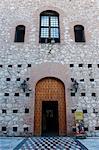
50 107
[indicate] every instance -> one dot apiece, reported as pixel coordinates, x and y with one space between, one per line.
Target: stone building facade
36 77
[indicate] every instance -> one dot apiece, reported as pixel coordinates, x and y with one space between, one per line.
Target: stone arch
50 89
50 69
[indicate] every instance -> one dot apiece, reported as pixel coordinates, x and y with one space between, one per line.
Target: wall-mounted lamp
74 85
24 86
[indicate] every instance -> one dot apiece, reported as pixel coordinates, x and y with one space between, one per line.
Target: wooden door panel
50 89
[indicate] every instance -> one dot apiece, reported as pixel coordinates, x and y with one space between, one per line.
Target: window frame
77 31
48 39
17 31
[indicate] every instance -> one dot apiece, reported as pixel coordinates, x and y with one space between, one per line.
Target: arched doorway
50 111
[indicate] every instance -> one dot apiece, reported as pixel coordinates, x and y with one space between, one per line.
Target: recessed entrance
50 124
50 107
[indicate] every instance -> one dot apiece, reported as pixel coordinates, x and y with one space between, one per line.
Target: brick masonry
15 57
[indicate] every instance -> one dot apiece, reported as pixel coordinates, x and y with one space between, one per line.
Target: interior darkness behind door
50 125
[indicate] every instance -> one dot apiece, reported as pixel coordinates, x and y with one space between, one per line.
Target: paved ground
91 143
9 143
48 143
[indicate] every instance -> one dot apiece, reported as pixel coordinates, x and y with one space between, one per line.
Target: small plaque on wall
79 115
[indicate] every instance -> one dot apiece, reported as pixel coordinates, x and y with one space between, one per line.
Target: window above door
49 27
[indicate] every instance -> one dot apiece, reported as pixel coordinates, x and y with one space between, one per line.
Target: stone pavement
92 143
9 143
50 143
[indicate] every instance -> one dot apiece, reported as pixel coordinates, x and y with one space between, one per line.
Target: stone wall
17 60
